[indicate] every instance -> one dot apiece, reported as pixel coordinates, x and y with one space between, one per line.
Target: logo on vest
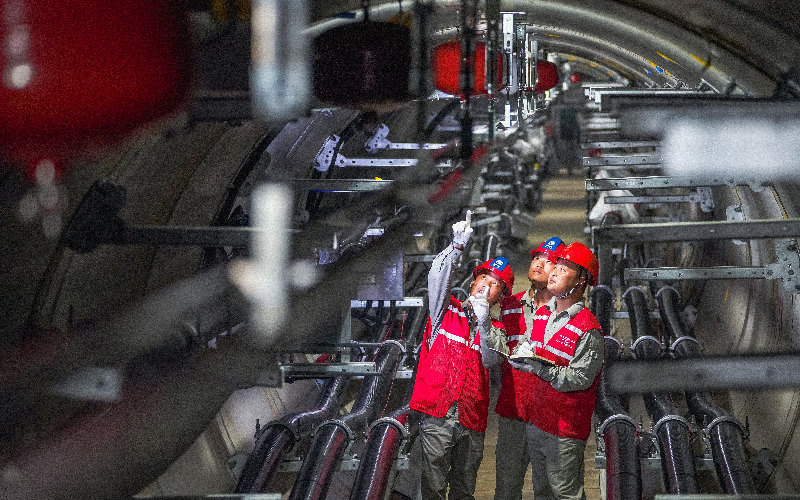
565 341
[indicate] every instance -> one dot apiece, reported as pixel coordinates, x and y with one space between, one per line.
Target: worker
566 337
511 453
461 342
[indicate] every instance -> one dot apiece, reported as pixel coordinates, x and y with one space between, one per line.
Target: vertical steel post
492 49
533 74
469 13
422 11
520 30
508 51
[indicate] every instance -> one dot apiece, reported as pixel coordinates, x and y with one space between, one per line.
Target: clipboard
500 353
540 359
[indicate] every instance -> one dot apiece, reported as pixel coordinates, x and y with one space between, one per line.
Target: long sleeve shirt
439 283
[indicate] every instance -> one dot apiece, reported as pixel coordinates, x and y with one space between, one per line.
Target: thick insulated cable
724 432
386 436
617 428
671 430
602 300
618 431
280 436
332 437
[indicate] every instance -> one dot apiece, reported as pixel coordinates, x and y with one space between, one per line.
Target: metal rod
655 182
692 231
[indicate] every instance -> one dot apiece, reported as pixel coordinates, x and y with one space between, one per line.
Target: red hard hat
497 268
575 78
552 247
578 253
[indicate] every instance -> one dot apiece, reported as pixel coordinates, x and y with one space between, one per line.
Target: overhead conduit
671 430
725 433
332 437
617 428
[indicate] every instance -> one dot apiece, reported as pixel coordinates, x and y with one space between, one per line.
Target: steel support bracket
696 231
341 185
786 268
702 195
656 182
379 142
627 160
326 154
619 144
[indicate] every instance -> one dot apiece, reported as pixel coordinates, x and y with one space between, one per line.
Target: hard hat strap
581 275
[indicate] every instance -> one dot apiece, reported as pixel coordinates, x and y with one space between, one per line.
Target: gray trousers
511 456
451 455
557 465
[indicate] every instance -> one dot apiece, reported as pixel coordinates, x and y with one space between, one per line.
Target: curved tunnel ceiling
743 46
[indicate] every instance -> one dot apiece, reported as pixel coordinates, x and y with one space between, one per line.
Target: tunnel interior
222 289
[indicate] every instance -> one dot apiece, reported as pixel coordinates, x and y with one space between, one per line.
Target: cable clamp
681 339
724 418
279 423
634 288
391 421
643 337
339 423
603 288
668 287
667 418
619 417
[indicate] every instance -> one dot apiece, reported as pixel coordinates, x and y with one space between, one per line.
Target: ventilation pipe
617 429
280 436
332 437
724 432
671 430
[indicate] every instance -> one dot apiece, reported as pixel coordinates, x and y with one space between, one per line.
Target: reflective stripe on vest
555 351
512 400
575 329
460 340
461 313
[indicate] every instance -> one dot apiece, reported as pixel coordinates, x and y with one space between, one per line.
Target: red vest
515 385
451 370
565 414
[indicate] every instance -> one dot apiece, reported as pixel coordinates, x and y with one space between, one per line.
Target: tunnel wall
747 316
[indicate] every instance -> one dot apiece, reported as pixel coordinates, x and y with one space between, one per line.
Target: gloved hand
462 230
523 366
480 305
